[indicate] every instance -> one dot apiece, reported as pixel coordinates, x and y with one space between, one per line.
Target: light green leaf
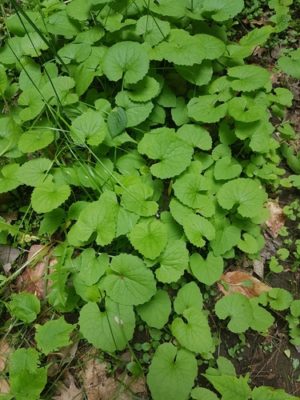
174 154
290 63
9 178
143 91
48 196
127 60
176 368
53 335
189 296
89 127
34 140
193 332
269 393
137 199
52 221
248 244
126 221
222 11
226 238
246 194
26 378
157 311
153 29
206 109
173 262
196 136
136 113
200 393
190 190
279 299
99 217
128 281
168 8
24 306
117 121
206 271
183 49
196 227
247 78
262 319
90 267
238 308
79 9
116 324
230 387
32 44
3 80
33 172
149 238
198 74
227 168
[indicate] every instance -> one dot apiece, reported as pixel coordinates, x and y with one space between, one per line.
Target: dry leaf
33 279
4 386
68 390
242 282
5 351
276 219
99 386
259 268
8 256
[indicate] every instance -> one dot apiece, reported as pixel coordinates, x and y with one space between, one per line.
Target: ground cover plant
141 147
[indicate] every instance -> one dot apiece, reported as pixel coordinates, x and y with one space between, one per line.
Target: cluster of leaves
143 139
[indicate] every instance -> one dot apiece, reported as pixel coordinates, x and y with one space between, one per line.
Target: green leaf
189 296
34 140
222 11
127 60
226 238
136 113
156 312
238 308
279 299
100 217
190 190
32 173
174 154
52 221
53 335
200 393
149 238
196 227
196 136
128 281
89 127
26 378
24 306
193 332
90 267
145 90
79 9
262 319
153 29
248 244
206 271
3 80
290 63
206 108
246 194
269 393
176 368
247 78
183 49
173 262
227 168
48 196
116 324
137 199
117 121
9 178
198 74
230 387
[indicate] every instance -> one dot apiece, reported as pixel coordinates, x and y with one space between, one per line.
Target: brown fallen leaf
241 282
5 351
67 390
276 219
4 386
99 386
33 279
8 256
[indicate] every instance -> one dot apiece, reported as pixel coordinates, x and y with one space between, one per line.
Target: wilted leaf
5 350
276 219
67 390
242 282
